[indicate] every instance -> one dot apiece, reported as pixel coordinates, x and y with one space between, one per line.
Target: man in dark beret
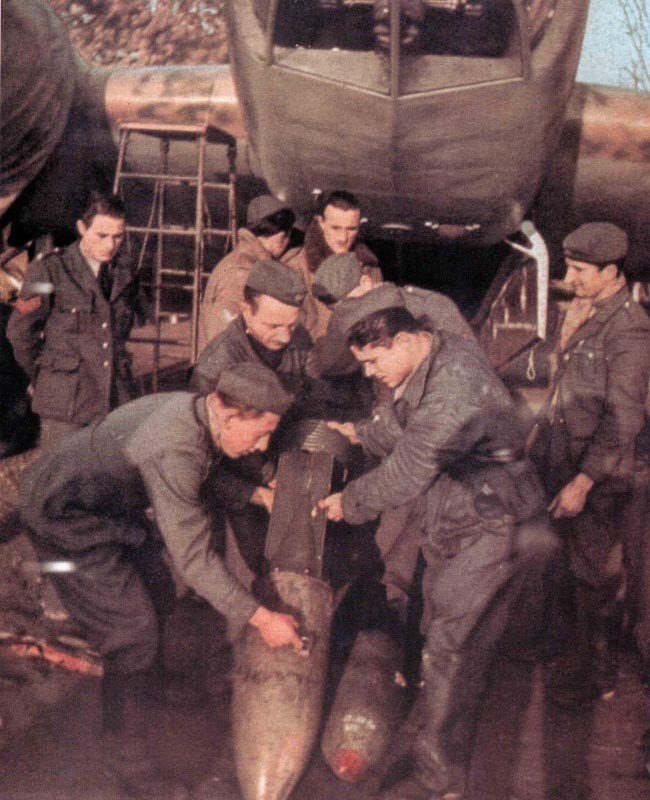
449 444
339 280
586 439
335 230
266 329
85 504
267 332
269 222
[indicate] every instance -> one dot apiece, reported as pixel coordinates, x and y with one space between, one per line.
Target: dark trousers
113 594
471 600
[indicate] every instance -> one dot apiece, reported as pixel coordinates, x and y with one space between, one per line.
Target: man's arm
224 293
418 457
173 481
29 317
628 373
331 354
216 357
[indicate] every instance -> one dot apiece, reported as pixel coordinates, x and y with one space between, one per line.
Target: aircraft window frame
389 81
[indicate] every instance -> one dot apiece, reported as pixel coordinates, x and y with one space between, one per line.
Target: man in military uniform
338 282
267 331
69 331
266 235
450 444
586 436
85 503
334 231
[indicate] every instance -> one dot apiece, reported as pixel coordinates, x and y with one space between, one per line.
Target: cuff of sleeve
237 622
352 511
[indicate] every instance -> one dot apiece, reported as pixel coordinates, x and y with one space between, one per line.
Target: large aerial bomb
367 707
278 693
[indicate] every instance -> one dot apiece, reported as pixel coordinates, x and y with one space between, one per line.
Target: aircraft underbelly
441 157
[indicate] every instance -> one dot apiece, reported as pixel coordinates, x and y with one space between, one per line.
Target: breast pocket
589 369
583 391
67 317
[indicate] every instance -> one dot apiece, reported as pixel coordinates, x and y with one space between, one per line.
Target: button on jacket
73 344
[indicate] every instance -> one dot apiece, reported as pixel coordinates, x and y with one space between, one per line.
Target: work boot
127 759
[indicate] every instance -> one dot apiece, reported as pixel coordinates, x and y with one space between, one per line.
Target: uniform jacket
307 259
236 484
454 438
224 290
595 409
94 489
233 346
332 356
72 344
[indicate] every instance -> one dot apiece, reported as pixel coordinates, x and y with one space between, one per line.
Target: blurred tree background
123 33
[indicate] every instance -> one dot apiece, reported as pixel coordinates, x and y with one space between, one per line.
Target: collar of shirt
93 264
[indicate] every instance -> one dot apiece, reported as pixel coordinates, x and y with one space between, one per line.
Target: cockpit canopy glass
403 46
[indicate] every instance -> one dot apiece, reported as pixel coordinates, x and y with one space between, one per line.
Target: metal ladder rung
201 135
177 287
171 230
178 180
180 273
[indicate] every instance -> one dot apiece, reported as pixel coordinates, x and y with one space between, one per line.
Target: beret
336 277
354 309
277 280
262 207
254 385
598 243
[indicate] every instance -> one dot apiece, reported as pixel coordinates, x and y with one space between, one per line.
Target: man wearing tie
70 326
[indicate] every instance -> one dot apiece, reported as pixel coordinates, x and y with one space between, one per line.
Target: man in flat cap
338 281
85 504
586 438
450 445
267 332
333 231
269 222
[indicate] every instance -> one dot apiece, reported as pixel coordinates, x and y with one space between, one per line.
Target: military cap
277 280
254 385
598 243
354 309
262 207
336 277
